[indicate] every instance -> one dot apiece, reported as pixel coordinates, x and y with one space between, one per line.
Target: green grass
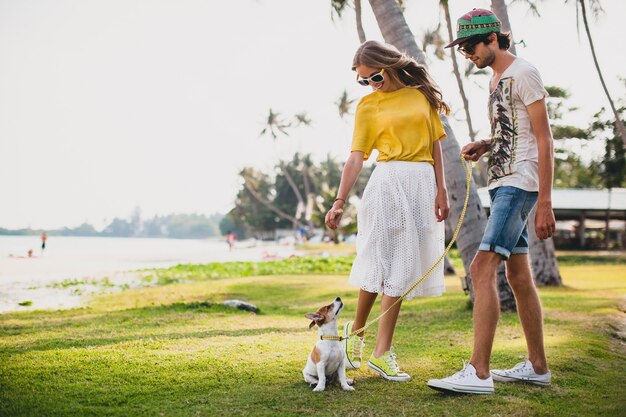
173 350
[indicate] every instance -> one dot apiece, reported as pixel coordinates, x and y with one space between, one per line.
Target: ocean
49 279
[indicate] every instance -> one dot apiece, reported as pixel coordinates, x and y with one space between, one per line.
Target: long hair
401 69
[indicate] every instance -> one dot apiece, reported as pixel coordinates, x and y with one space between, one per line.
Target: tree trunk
457 73
394 28
475 220
359 22
619 124
269 205
543 261
500 10
396 32
300 207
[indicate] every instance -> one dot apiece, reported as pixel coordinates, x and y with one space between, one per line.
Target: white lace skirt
398 235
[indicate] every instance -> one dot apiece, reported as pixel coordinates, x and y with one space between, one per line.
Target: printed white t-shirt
513 157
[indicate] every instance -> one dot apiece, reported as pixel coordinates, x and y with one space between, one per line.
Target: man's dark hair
504 40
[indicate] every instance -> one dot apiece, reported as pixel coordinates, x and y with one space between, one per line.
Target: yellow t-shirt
401 124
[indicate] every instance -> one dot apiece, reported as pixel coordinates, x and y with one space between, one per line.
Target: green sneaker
352 347
387 367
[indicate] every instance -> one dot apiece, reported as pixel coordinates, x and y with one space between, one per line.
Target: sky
106 106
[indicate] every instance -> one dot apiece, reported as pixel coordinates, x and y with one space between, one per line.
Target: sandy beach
72 268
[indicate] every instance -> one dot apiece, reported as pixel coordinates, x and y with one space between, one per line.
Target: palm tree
339 6
274 126
344 104
596 9
543 260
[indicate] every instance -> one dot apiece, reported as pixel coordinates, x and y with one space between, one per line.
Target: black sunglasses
471 44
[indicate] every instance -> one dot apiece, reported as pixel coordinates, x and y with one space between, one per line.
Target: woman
400 229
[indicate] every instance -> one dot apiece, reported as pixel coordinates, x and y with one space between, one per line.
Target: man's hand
474 150
545 224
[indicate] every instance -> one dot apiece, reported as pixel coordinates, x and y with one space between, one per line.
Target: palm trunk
475 220
457 74
300 207
359 22
394 28
499 8
269 205
310 197
618 121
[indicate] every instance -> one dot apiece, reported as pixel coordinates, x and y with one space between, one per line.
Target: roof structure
572 204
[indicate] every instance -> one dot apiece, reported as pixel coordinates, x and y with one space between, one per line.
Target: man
520 176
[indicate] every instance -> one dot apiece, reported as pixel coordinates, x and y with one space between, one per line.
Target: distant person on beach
400 219
230 239
30 255
44 238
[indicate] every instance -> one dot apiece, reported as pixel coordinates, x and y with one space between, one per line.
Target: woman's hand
333 217
442 206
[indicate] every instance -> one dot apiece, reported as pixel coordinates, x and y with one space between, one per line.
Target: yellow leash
468 175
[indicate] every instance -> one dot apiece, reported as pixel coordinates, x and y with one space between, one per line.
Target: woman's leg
386 325
363 308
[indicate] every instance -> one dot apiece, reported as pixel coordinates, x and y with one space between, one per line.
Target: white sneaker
524 372
465 381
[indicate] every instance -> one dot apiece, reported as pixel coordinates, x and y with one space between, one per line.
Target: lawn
173 350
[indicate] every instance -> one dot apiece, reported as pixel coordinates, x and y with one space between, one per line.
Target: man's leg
486 308
529 309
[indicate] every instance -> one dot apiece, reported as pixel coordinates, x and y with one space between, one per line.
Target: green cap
476 22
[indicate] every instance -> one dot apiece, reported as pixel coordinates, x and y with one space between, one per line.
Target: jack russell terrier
326 361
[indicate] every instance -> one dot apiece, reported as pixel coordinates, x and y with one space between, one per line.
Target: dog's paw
347 388
318 389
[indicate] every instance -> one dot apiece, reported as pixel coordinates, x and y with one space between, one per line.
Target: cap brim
458 41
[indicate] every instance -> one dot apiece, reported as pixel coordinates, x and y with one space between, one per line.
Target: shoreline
68 274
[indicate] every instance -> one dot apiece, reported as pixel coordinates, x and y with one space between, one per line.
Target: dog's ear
313 316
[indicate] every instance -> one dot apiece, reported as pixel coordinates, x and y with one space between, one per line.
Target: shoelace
357 348
391 362
461 373
518 368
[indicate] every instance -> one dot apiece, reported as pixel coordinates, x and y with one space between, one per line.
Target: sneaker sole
502 378
387 377
455 389
349 364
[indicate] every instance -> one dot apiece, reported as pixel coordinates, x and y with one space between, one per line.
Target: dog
326 361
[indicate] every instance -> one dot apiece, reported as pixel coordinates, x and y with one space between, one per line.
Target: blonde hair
401 69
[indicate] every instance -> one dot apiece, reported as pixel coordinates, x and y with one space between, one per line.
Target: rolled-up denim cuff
504 252
519 250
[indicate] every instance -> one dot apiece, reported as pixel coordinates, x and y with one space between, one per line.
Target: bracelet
340 199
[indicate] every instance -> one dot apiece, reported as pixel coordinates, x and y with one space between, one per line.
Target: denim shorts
506 233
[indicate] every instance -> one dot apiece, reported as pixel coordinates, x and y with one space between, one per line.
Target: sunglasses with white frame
374 78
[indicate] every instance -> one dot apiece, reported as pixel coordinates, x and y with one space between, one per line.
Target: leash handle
468 175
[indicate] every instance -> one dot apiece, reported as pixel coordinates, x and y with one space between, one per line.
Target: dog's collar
337 338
